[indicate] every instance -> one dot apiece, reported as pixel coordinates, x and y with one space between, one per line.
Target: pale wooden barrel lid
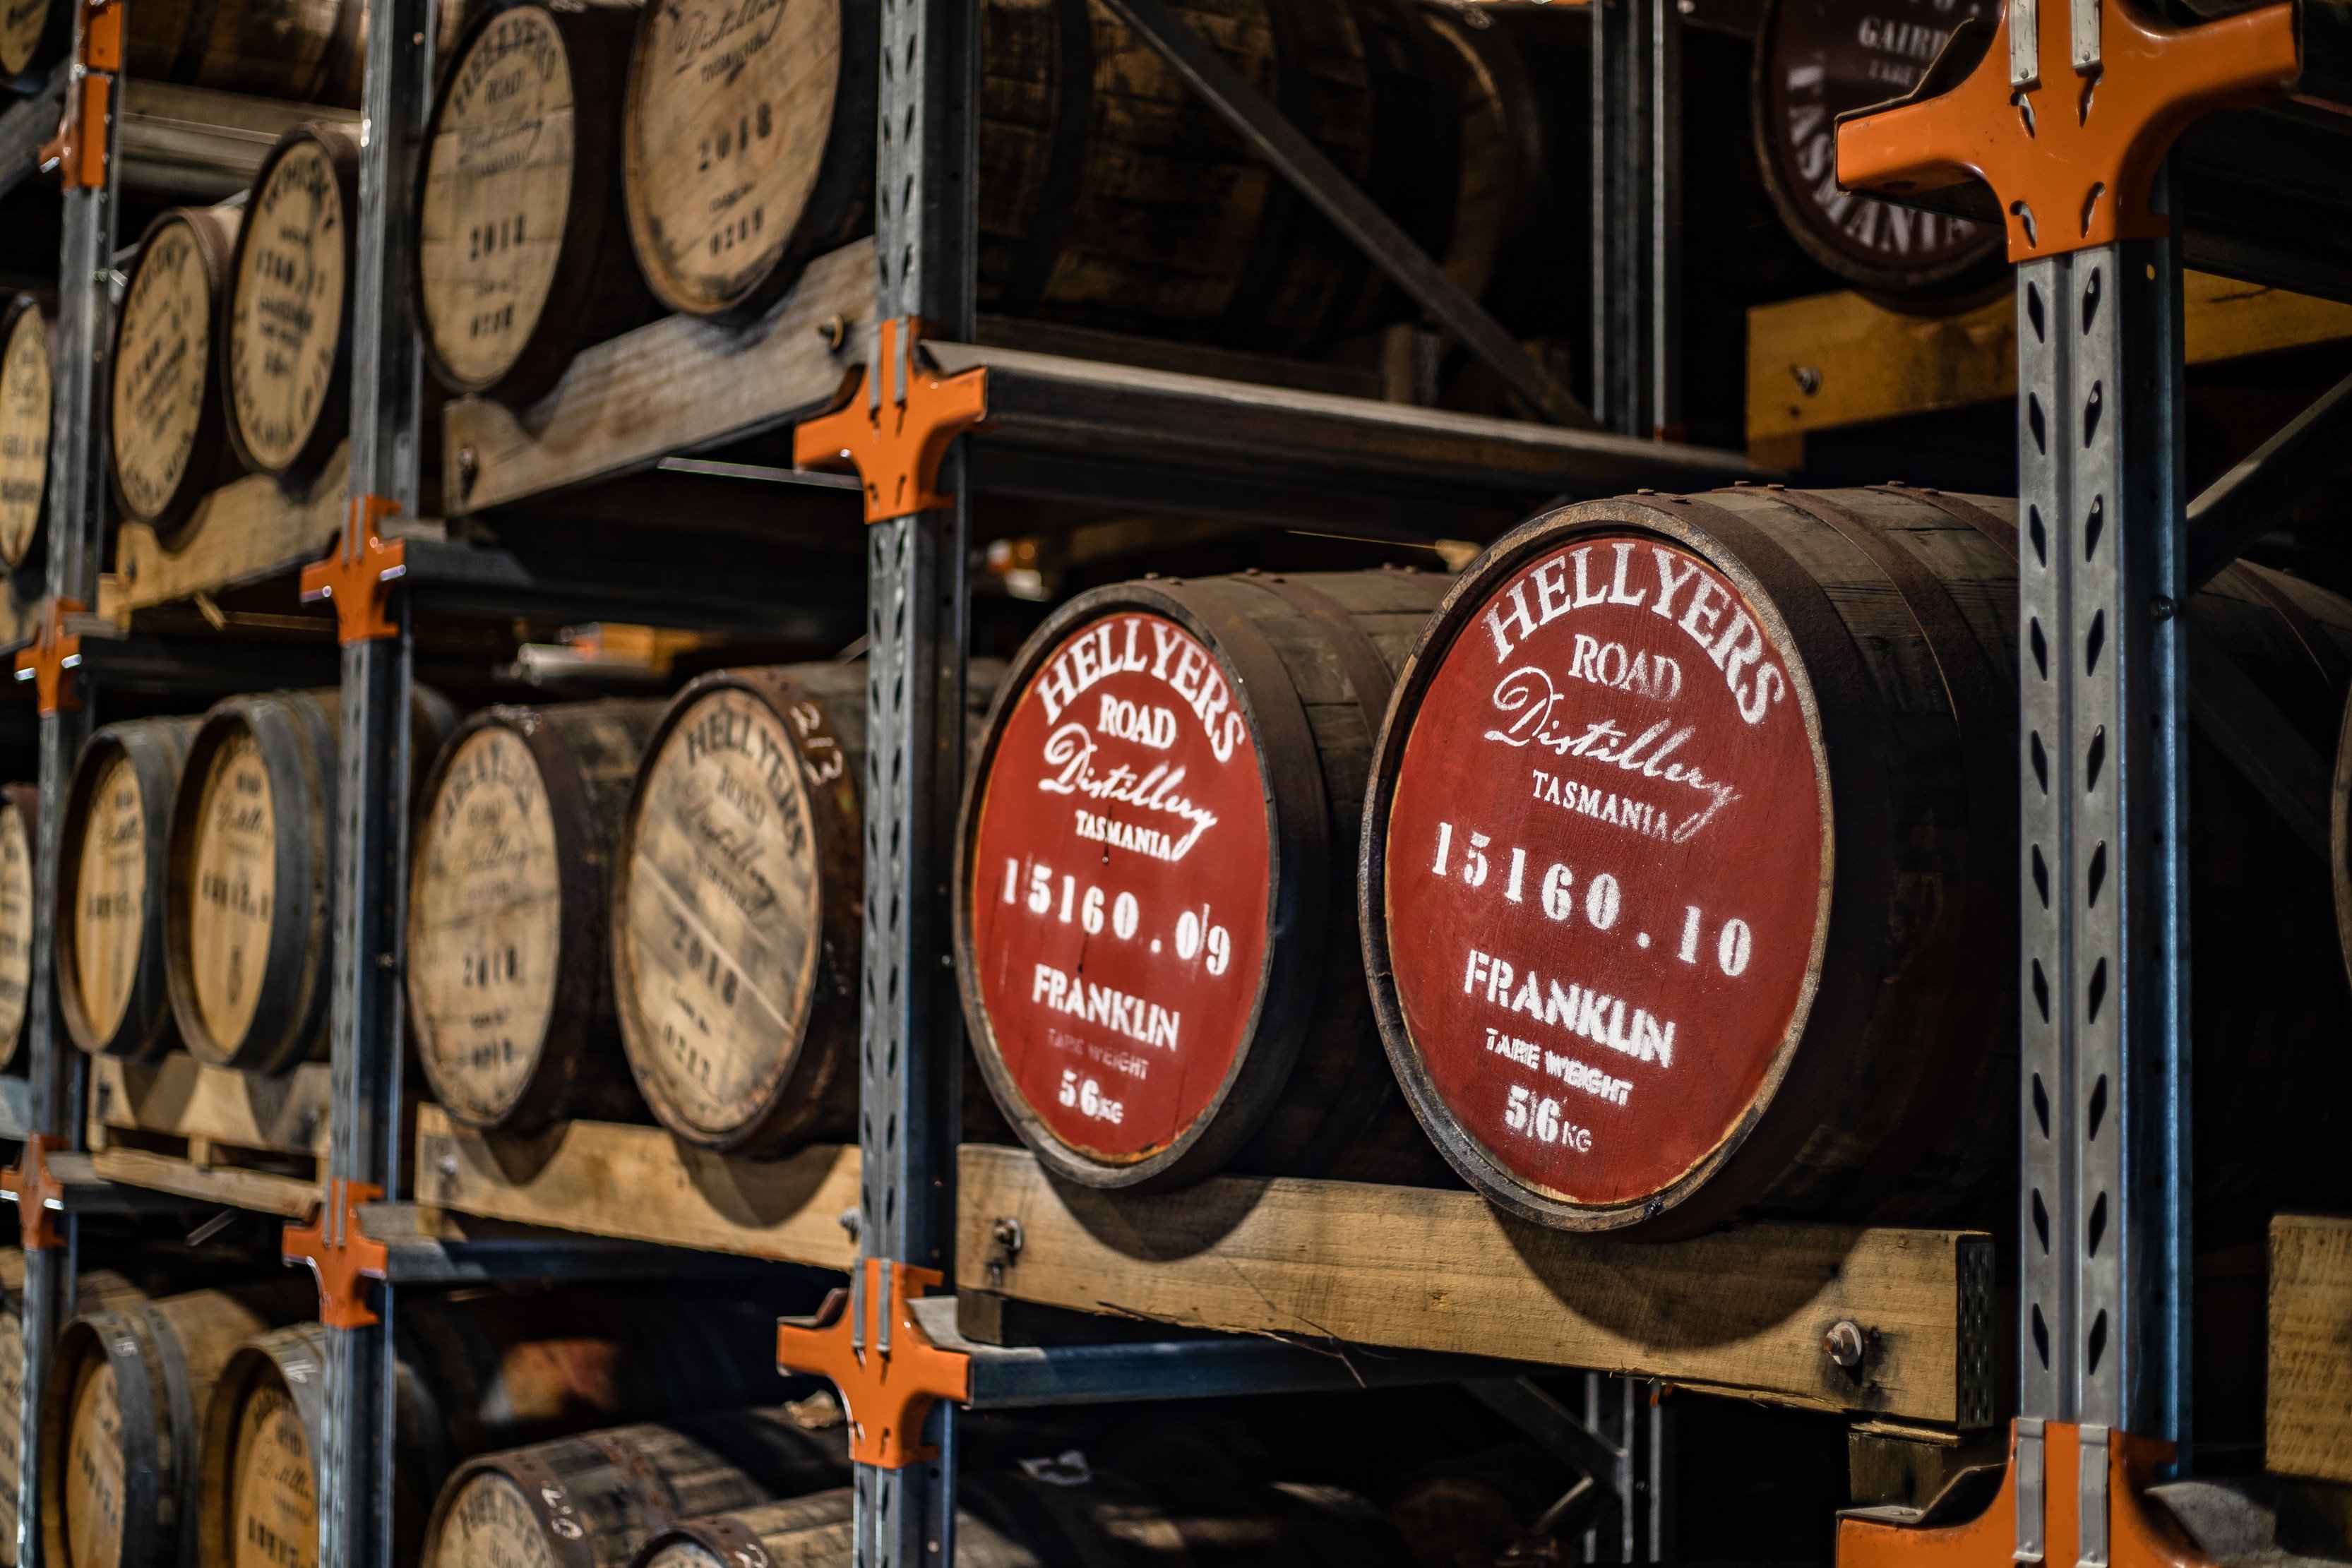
26 386
94 1473
286 301
17 925
110 914
490 1520
273 1508
233 875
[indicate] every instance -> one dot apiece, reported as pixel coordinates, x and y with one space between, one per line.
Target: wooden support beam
249 530
1744 1311
183 1098
2310 1425
639 1184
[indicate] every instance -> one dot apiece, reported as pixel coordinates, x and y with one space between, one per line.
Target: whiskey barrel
27 362
97 1290
249 947
167 441
1816 59
112 991
119 1471
1108 194
476 1372
737 891
1689 873
1082 1515
20 837
35 34
590 1501
1152 907
509 983
301 51
285 334
516 208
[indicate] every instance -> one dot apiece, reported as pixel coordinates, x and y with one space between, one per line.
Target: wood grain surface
489 1520
286 312
18 925
110 914
27 357
184 1098
2310 1422
234 872
246 529
166 395
273 1508
94 1476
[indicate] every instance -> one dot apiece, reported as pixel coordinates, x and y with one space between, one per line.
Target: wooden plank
603 1178
289 1196
188 1098
2310 1424
244 531
1743 1311
677 385
1835 359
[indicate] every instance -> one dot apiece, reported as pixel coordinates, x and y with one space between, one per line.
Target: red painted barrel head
1605 868
1118 885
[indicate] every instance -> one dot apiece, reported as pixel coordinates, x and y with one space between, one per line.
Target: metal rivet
1006 1232
1844 1344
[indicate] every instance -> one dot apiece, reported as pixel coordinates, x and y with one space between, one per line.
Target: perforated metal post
908 1057
2105 1235
1636 106
354 1468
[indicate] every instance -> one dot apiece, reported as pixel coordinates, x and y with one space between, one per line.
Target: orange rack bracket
888 1371
35 1185
896 435
2070 156
2135 1536
50 659
79 148
358 572
339 1254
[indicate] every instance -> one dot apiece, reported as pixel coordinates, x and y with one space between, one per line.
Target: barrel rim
1299 868
540 1492
39 300
1677 1208
109 1338
285 1024
546 350
331 424
795 1089
23 800
259 1356
196 481
140 741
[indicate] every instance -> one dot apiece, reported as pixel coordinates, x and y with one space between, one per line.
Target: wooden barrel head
12 1424
1605 857
164 426
718 925
109 910
486 925
498 196
1119 874
30 38
285 332
490 1520
16 927
94 1472
234 875
725 133
27 357
273 1507
1816 59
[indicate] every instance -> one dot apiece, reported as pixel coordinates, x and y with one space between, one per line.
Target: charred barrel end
109 923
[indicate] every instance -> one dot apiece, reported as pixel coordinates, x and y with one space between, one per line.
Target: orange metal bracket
356 574
79 148
2071 157
887 1385
896 433
2138 1536
339 1254
52 657
34 1184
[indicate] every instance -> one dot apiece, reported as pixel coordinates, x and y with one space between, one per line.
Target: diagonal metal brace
2245 503
1371 230
1525 1405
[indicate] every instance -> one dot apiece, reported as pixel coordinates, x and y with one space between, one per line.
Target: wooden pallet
639 1184
2309 1430
1744 1311
212 1134
248 531
1835 359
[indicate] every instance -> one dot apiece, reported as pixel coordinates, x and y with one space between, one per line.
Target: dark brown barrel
97 1291
167 432
1081 1516
249 931
1816 59
285 329
119 1471
737 891
590 1501
1690 872
20 837
476 1372
509 982
1110 195
522 252
28 337
1152 909
111 860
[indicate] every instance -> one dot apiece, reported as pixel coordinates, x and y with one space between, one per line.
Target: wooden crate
639 1184
212 1134
248 531
2309 1429
1742 1311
